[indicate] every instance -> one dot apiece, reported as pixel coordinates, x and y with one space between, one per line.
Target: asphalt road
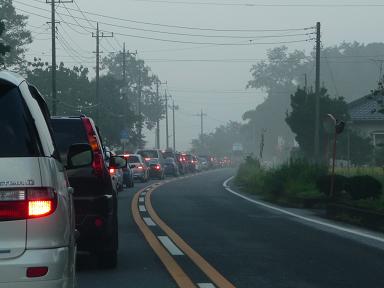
249 245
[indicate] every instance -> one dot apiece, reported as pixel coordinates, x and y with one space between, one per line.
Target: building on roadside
366 120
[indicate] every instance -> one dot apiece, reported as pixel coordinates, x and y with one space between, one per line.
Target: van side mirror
79 155
117 162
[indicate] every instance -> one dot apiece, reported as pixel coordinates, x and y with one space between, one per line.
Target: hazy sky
217 87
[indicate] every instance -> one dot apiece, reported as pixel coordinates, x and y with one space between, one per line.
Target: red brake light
39 208
97 164
140 167
99 222
158 167
147 159
25 204
41 202
34 272
112 171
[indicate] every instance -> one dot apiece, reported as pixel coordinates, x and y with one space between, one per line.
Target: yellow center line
204 266
180 277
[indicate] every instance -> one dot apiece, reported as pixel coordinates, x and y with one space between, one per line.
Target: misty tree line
120 99
286 116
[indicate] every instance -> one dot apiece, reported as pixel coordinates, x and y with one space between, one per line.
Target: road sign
237 147
124 134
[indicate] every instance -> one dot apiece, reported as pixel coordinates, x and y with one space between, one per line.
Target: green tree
3 48
16 35
301 121
219 142
346 71
74 90
138 86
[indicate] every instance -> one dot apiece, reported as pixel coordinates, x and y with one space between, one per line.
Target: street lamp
338 128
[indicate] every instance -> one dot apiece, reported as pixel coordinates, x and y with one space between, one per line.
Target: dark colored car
178 159
170 167
156 169
128 179
95 196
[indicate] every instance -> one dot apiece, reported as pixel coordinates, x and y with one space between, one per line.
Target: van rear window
18 135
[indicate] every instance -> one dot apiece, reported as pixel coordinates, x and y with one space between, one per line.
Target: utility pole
317 103
53 23
124 64
174 125
158 83
305 82
202 115
97 35
166 120
139 105
157 120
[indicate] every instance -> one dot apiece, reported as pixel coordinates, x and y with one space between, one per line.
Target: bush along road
357 199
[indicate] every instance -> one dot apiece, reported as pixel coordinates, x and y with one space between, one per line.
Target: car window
149 153
133 159
66 133
17 132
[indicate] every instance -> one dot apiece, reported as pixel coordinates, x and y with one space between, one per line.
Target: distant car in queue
156 169
171 167
138 166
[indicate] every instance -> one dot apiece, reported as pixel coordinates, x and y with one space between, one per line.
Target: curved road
245 244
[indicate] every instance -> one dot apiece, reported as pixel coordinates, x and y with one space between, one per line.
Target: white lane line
142 208
205 285
171 247
333 226
149 221
141 200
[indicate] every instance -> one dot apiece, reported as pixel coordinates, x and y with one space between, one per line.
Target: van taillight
98 161
20 204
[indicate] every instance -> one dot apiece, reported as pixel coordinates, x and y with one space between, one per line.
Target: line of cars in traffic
58 188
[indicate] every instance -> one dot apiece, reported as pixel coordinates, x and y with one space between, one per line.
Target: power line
248 43
188 27
251 38
250 4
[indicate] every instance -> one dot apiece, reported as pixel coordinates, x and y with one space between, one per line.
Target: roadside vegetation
358 192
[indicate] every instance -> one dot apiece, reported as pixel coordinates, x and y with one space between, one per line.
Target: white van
37 232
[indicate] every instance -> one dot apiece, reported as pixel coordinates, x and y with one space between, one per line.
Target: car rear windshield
18 134
133 159
149 153
68 132
168 155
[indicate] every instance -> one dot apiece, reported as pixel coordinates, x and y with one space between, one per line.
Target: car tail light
21 204
147 159
157 167
33 272
112 171
98 161
140 167
99 222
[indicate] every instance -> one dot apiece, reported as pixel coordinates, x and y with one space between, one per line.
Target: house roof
365 109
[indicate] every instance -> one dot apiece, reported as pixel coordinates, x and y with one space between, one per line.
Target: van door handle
70 190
